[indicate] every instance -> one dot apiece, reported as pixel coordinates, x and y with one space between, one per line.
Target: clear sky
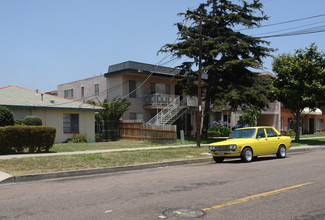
44 43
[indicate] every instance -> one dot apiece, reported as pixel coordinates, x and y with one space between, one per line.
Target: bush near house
219 129
33 120
6 117
32 138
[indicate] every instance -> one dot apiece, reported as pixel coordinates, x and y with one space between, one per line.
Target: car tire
218 159
282 152
247 155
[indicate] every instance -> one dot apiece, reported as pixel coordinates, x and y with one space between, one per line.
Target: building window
70 123
136 116
82 92
96 89
159 88
281 123
320 124
135 89
68 94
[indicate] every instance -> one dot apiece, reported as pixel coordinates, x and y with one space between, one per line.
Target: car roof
256 127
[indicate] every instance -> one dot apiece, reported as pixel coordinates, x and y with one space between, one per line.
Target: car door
261 142
273 140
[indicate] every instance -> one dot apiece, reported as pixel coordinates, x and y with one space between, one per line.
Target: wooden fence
137 130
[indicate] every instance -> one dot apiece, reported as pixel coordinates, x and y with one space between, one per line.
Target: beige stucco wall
55 118
89 89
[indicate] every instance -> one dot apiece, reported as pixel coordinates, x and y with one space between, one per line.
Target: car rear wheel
247 155
218 159
282 152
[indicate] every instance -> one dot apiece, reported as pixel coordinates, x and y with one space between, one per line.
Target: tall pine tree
228 55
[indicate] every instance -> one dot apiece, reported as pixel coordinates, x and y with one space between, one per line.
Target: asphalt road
269 188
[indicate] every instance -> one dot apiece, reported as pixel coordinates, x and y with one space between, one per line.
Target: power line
318 29
284 22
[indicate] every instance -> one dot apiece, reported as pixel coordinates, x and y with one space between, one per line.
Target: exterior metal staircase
170 113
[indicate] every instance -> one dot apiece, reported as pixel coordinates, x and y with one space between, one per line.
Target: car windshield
243 133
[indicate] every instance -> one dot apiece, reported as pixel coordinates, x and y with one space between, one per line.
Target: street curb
75 173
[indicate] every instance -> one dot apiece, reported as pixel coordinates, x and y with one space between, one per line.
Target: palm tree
108 119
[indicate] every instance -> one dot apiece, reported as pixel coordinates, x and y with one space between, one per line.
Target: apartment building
153 93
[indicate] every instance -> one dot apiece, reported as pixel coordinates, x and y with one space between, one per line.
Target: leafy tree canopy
114 109
300 82
227 55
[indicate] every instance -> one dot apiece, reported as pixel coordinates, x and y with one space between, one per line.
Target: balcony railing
159 99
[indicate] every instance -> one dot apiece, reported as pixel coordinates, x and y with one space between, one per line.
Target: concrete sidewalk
7 178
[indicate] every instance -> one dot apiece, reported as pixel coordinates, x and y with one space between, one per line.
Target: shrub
31 138
219 130
33 120
6 117
78 138
20 122
289 133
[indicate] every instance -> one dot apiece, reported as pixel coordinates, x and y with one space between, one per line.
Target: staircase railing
170 111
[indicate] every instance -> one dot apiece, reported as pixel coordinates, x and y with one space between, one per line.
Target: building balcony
158 100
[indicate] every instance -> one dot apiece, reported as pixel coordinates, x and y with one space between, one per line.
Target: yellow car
249 143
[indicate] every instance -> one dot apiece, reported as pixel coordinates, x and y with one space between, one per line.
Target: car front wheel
218 159
282 152
247 155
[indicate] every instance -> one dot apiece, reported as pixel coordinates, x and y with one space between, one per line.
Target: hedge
32 138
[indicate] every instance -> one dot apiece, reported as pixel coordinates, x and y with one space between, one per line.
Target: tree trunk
298 121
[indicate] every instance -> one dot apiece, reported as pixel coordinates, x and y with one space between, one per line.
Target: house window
82 92
68 94
136 116
96 89
70 123
320 124
159 88
135 89
281 123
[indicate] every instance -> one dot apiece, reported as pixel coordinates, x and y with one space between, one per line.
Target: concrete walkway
7 178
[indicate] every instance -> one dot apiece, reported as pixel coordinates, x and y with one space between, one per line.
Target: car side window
260 133
270 132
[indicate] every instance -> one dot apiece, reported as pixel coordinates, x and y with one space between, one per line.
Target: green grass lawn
33 165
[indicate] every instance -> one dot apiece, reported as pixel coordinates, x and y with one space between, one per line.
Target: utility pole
199 101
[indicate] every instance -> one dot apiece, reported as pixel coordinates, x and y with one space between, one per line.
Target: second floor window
68 94
82 92
135 89
159 88
96 89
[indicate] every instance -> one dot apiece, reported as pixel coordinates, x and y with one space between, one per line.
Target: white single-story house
69 117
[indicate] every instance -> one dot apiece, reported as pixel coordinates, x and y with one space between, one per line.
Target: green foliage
300 81
109 118
227 54
20 122
32 138
78 138
250 115
33 120
114 109
219 131
288 133
6 117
